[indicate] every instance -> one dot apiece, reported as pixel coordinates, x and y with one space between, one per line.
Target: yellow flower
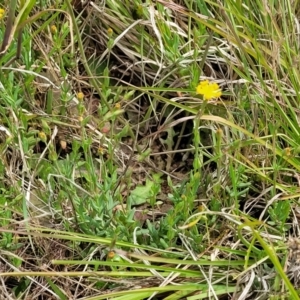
42 136
209 90
53 29
110 32
80 96
2 11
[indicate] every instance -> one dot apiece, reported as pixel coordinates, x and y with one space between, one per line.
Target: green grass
141 189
